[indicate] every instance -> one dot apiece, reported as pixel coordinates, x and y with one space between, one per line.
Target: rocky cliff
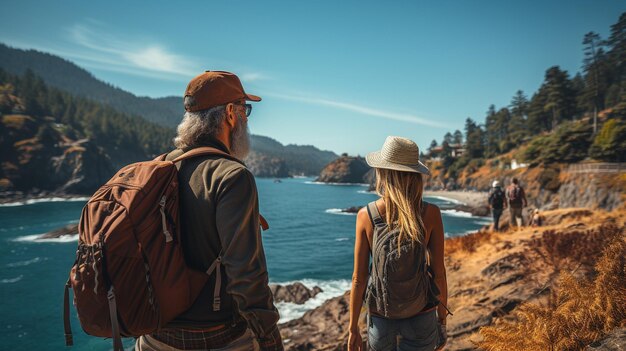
547 186
489 275
40 155
262 165
345 169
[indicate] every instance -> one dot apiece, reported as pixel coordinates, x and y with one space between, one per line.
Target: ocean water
309 240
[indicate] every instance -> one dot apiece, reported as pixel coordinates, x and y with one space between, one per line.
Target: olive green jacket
220 211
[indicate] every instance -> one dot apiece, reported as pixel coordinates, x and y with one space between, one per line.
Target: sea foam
44 199
338 211
331 288
36 238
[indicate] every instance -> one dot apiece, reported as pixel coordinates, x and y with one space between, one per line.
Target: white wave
367 192
454 201
26 263
331 288
13 280
484 220
36 238
342 239
456 213
44 199
339 211
341 184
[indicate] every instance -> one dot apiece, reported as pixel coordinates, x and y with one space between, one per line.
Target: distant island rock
353 209
345 169
296 293
70 229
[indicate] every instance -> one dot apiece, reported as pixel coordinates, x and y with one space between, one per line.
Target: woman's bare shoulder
362 216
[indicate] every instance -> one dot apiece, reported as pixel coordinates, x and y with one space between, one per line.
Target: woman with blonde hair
407 291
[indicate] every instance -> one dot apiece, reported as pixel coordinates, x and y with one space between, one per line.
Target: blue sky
340 75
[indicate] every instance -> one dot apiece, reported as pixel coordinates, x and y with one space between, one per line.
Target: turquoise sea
308 241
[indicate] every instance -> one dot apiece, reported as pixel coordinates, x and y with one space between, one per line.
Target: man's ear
231 118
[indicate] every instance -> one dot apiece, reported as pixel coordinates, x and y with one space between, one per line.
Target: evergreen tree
458 137
491 132
474 139
595 87
560 95
617 55
448 139
518 124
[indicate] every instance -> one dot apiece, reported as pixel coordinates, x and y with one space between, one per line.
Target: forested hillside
124 138
65 75
570 118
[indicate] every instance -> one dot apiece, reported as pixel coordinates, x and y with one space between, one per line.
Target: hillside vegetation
567 120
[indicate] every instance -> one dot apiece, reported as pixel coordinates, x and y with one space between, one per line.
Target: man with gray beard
220 222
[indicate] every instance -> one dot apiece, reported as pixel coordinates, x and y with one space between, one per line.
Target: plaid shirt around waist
189 339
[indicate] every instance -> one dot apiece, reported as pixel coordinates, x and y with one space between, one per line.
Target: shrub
467 243
610 143
584 310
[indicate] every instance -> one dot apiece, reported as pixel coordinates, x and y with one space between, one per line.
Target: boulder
296 293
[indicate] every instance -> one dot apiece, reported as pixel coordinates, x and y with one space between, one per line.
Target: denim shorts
416 333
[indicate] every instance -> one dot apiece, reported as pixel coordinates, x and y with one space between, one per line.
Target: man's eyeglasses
248 108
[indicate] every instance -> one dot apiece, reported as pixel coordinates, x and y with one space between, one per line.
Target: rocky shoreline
489 275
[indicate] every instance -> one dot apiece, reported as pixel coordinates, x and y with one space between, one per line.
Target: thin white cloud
360 109
253 77
131 53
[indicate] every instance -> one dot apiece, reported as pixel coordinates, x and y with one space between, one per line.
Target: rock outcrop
345 169
70 229
41 155
262 165
615 341
296 293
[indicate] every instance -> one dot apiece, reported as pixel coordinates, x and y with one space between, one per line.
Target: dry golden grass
584 311
560 249
467 243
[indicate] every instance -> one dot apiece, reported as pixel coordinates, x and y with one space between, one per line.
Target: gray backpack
401 283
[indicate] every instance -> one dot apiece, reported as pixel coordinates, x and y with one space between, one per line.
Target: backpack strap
374 214
215 266
205 150
69 340
115 327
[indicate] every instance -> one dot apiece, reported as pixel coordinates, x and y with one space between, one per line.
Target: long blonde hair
402 193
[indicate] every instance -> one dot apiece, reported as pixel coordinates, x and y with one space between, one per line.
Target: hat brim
375 159
251 97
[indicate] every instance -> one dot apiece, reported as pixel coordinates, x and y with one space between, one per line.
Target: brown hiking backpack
130 277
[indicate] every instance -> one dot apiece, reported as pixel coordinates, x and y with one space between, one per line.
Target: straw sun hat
400 154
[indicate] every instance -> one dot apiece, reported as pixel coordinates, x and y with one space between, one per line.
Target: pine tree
458 137
593 53
560 95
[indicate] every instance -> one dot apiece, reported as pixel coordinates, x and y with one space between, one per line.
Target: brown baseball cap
215 88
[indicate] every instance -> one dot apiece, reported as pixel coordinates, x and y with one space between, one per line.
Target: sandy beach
474 199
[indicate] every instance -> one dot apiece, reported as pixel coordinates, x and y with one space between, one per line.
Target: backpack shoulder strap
205 150
372 211
424 207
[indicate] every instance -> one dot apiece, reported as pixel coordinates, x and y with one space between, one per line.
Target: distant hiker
497 202
516 198
407 292
537 219
220 226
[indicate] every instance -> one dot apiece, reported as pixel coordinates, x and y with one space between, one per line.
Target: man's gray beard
240 140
